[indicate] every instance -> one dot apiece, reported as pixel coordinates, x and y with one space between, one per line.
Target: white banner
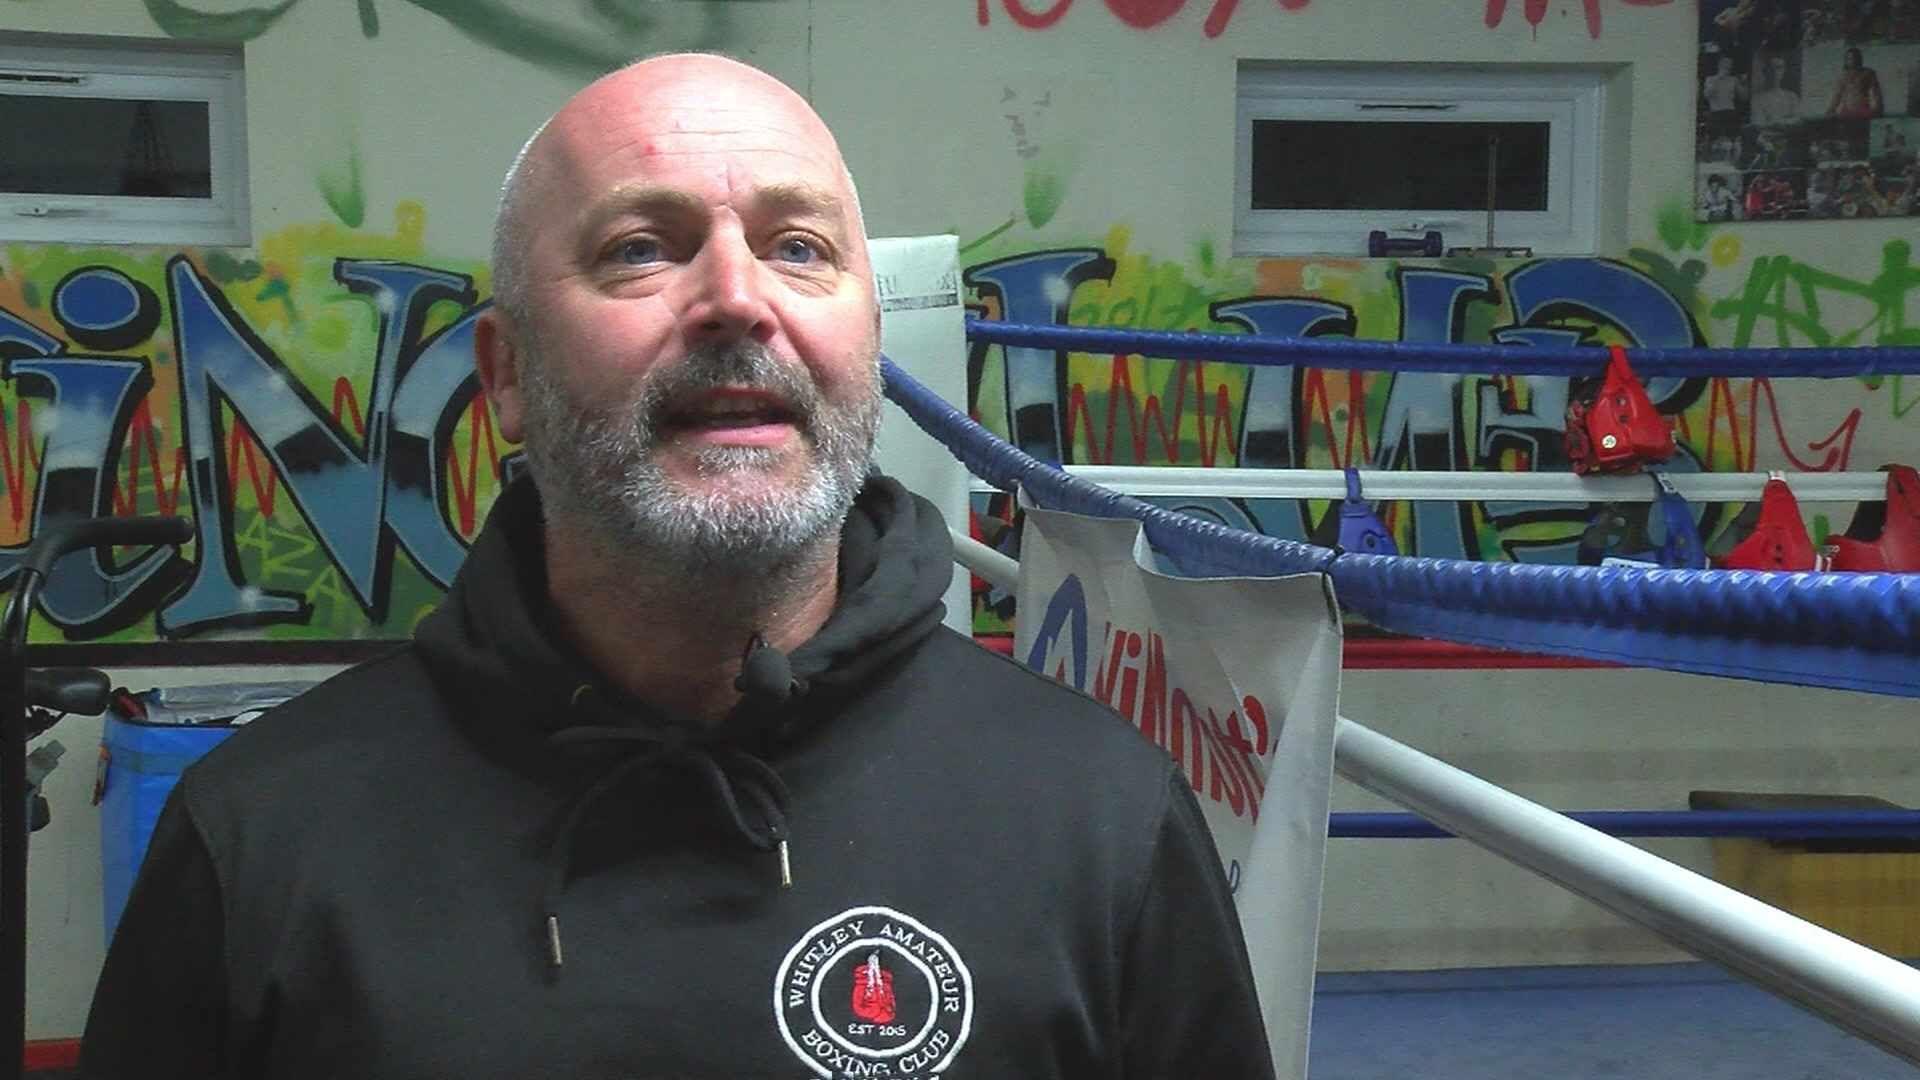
1239 680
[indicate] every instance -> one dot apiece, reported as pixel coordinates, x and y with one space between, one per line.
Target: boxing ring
1855 631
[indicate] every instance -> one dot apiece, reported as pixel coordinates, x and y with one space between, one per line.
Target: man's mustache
735 366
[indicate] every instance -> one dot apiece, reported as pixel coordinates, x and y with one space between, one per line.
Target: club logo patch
874 992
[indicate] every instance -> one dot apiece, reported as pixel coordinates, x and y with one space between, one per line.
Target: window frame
64 67
1572 102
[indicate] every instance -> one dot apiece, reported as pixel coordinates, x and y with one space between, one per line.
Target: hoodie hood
526 690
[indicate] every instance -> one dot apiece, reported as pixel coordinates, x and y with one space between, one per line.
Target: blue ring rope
1857 631
1761 824
1515 359
1206 549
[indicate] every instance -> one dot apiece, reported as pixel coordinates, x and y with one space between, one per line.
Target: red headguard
1779 541
1617 429
1884 536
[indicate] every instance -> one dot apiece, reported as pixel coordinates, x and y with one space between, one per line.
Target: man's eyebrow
786 198
642 199
799 198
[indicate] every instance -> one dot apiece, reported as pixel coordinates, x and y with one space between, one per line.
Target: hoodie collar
490 641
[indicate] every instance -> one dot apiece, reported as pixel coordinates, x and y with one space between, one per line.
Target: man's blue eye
639 251
795 249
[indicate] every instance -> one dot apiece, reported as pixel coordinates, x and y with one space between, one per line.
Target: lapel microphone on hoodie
766 675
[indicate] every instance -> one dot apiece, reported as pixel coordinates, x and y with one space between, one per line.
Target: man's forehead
631 130
692 94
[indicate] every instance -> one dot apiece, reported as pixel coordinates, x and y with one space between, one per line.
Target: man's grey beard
595 464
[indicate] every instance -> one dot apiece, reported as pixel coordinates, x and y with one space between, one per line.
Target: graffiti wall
312 408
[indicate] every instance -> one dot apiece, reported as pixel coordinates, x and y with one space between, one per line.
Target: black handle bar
52 542
57 540
79 690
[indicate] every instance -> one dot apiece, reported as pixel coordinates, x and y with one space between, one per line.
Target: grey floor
1665 1022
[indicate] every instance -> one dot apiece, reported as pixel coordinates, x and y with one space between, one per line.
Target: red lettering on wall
142 437
1151 419
1147 14
466 495
1723 407
1139 14
243 444
17 456
1036 21
1316 405
1536 12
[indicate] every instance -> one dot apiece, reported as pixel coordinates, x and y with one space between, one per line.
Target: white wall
1146 116
1598 739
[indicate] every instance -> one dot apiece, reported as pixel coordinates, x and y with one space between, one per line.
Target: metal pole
13 823
1493 179
992 566
1763 824
1387 484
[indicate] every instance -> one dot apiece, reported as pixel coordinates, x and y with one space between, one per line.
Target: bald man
684 778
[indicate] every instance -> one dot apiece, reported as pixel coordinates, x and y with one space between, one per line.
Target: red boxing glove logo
873 992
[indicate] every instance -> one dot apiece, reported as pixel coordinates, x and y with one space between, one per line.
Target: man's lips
736 417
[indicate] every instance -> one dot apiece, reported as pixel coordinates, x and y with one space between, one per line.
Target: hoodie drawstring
731 773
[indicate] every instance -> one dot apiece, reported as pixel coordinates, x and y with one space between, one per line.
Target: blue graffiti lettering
92 399
435 390
18 337
102 308
338 490
1267 419
1612 293
1036 288
1418 430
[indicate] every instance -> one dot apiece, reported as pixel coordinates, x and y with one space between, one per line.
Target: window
1325 155
118 144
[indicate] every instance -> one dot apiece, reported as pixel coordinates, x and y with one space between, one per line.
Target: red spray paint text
1139 14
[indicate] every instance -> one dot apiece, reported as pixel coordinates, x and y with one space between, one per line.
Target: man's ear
496 357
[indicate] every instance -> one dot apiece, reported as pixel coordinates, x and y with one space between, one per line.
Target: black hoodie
902 856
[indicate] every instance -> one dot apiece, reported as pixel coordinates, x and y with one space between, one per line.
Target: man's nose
728 302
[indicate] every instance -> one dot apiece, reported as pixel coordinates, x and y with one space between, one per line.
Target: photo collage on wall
1808 109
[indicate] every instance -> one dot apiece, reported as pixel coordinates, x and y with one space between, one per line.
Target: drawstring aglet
786 867
553 940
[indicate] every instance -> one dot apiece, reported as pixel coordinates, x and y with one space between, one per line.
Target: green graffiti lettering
1797 299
